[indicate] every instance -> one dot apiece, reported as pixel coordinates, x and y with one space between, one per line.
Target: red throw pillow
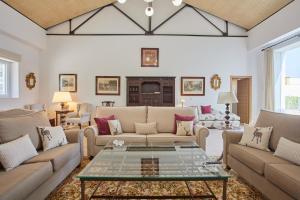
206 109
102 124
182 118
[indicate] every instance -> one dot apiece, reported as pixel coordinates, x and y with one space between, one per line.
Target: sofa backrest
165 116
127 115
15 113
19 125
284 125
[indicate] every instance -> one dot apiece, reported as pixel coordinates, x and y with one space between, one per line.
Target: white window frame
7 79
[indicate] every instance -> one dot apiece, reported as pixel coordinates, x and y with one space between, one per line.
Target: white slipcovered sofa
164 116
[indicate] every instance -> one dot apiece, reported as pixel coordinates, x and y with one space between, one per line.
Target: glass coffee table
153 162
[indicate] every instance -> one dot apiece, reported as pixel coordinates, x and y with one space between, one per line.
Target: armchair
81 116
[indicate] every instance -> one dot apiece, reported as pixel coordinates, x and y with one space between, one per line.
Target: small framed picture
68 82
192 86
108 85
150 57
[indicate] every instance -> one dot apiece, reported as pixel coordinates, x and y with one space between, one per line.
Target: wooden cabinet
150 91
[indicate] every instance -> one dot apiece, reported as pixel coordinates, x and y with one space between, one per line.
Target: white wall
21 36
89 56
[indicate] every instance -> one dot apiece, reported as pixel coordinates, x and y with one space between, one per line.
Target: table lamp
62 98
227 98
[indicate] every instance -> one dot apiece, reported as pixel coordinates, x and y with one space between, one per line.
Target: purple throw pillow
102 124
182 118
206 109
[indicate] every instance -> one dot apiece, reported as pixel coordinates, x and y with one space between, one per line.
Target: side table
60 116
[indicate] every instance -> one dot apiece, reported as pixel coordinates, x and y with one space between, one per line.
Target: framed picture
68 82
150 57
107 85
192 86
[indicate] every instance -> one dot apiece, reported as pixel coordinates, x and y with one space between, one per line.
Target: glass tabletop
152 161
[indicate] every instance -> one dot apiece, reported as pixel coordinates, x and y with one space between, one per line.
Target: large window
288 98
4 78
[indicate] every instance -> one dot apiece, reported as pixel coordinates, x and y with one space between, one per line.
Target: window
4 78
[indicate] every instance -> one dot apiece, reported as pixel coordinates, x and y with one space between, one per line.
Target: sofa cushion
127 116
13 128
18 183
169 137
102 140
286 177
165 116
58 156
284 125
254 158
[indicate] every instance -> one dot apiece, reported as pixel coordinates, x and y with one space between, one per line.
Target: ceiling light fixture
122 1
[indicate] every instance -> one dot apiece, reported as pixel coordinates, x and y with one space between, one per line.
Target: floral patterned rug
69 189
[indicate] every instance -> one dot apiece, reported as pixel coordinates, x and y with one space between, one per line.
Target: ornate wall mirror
215 82
30 81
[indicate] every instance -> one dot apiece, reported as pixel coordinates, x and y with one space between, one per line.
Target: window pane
3 74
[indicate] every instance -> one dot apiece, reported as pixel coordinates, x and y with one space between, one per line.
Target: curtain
269 80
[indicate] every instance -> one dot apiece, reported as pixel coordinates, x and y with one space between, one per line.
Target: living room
137 65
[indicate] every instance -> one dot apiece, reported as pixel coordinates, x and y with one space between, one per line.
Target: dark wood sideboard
150 91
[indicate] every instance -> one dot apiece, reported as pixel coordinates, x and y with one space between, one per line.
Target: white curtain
269 80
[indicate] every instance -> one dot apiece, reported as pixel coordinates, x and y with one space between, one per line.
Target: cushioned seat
286 177
18 183
254 158
169 137
58 156
128 137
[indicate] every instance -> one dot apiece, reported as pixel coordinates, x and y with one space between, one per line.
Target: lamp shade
61 97
227 97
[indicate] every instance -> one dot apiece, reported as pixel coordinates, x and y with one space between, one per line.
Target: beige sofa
164 116
276 178
37 177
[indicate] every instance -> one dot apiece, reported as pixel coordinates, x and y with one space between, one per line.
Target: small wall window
9 79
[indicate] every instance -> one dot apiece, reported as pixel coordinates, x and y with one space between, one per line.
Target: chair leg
89 123
79 125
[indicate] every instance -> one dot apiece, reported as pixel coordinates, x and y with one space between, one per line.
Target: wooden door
243 95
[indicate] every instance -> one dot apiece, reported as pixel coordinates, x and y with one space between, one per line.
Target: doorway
242 86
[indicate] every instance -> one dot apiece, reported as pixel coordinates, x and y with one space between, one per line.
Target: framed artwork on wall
192 86
150 57
68 82
108 85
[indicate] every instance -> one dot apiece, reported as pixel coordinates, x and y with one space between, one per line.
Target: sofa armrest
201 133
90 133
75 136
230 137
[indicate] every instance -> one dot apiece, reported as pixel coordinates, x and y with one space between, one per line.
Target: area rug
69 189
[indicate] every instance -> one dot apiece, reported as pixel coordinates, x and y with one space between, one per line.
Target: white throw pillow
15 152
185 128
146 128
256 137
115 127
52 137
288 150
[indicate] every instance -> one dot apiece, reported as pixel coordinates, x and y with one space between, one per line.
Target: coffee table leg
225 189
82 190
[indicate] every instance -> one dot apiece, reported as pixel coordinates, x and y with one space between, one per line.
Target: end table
60 116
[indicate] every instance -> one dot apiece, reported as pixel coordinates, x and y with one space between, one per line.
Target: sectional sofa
37 177
164 116
276 178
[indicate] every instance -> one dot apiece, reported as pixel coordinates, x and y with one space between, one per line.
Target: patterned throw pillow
182 118
115 127
15 152
102 124
52 137
146 128
185 128
256 137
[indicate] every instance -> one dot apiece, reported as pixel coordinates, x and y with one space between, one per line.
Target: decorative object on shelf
227 98
149 10
192 86
150 91
30 81
108 103
107 85
215 82
62 98
68 82
150 57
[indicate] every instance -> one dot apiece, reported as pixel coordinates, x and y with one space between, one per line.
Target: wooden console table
60 116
